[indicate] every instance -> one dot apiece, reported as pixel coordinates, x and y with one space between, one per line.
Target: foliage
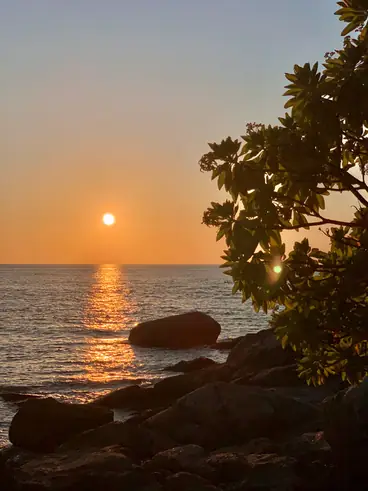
277 179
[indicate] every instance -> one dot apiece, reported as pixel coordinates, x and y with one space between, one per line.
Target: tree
277 179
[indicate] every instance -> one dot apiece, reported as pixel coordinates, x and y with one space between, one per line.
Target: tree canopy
278 178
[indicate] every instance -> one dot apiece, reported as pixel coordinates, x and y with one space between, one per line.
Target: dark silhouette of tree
277 179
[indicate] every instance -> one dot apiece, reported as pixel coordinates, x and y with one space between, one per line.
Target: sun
108 219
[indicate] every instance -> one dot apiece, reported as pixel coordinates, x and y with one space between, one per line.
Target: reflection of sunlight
108 304
109 310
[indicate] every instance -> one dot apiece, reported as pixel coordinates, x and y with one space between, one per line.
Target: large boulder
130 397
259 351
177 331
138 442
284 376
228 466
221 414
165 391
87 470
174 387
346 430
184 458
43 424
191 365
271 472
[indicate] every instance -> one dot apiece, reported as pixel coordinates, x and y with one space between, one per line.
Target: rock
346 430
172 388
191 365
308 447
285 376
164 392
259 351
138 442
43 424
126 397
346 418
184 458
257 445
226 344
177 332
17 398
141 416
228 466
184 481
271 472
221 414
74 471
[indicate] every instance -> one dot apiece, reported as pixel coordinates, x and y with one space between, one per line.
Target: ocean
64 329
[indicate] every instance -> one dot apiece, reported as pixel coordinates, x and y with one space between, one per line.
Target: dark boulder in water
177 332
16 397
191 365
42 424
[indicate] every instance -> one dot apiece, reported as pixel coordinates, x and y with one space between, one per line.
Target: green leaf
220 234
221 179
350 27
291 77
321 201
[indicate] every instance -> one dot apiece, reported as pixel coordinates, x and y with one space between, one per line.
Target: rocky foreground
248 424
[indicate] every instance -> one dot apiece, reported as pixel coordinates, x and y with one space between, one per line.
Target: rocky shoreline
247 424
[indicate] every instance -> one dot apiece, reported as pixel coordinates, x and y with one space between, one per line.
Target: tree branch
313 224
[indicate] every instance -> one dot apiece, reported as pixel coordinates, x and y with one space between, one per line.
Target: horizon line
110 264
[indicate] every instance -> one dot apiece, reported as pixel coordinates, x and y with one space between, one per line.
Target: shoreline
264 421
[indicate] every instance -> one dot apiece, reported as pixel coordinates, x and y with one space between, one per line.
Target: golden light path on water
109 306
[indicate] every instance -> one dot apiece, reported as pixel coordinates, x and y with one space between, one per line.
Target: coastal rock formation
220 414
259 351
105 469
177 332
284 376
346 429
165 391
247 424
191 365
139 442
176 459
43 424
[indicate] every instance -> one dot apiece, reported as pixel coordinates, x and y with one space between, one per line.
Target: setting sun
108 219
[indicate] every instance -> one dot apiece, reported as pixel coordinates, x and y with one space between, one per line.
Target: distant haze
106 106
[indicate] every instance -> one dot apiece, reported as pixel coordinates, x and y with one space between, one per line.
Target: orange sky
108 106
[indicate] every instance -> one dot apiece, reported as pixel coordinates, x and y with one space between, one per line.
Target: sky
107 106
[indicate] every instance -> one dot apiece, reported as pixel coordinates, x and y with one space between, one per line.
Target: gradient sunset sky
107 105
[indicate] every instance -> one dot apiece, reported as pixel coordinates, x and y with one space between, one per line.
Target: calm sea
64 329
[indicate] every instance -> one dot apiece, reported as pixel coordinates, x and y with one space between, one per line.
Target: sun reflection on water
110 309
